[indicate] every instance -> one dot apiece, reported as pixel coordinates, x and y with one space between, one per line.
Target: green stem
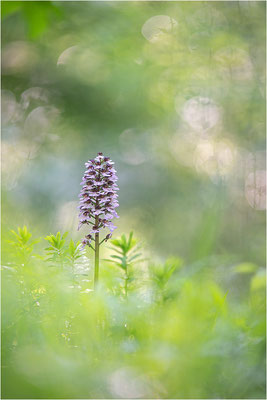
96 255
126 282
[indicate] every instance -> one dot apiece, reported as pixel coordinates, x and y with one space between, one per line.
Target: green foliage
188 329
60 252
246 268
38 15
74 252
161 273
9 7
207 231
174 323
57 249
162 276
127 250
22 243
259 281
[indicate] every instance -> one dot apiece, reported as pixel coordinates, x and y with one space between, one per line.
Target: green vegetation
174 93
157 330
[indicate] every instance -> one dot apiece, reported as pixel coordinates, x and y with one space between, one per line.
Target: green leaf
259 281
119 258
130 240
135 256
71 246
10 7
115 249
246 268
116 242
123 239
207 232
38 16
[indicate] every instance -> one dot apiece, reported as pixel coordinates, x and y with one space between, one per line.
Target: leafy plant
60 252
22 243
161 275
199 325
57 249
73 252
127 253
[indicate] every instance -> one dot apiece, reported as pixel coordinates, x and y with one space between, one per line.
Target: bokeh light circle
158 26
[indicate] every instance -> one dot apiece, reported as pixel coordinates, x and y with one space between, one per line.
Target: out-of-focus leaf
259 281
207 233
10 7
245 268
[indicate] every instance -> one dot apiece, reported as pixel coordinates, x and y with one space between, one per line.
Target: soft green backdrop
177 102
174 93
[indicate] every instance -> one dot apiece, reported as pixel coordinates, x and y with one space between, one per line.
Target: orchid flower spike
98 201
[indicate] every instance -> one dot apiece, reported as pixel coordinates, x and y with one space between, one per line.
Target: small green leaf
119 258
135 256
130 240
115 249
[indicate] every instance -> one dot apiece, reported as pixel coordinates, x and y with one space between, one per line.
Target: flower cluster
98 197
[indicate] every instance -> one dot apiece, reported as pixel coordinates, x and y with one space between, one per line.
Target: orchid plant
98 201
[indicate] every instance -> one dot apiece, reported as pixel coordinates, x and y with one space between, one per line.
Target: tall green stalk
126 282
96 255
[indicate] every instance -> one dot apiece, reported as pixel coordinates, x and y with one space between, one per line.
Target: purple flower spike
98 197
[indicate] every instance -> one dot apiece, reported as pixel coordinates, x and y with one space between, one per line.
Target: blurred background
173 92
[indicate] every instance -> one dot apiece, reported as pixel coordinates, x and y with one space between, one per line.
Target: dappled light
214 158
201 114
34 94
18 57
234 63
155 28
67 55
